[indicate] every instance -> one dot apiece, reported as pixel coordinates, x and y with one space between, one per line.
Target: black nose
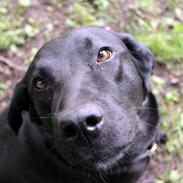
84 120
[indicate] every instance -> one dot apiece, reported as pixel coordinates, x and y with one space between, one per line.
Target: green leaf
25 3
171 96
4 86
174 176
178 27
31 31
158 80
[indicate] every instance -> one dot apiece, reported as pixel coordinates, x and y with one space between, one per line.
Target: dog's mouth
97 162
112 163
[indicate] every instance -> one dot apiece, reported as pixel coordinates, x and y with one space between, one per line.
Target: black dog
83 113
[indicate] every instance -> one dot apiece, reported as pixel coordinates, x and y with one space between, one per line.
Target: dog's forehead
96 35
76 45
80 38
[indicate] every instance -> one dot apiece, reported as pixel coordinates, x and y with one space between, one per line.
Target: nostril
92 121
70 131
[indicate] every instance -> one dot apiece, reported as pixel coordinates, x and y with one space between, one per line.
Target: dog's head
86 88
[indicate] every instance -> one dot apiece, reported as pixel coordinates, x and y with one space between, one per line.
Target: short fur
92 121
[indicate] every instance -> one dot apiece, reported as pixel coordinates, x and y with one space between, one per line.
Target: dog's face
86 89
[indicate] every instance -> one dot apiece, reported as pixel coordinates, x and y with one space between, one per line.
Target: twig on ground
7 62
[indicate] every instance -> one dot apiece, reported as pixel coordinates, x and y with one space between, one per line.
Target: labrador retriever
83 113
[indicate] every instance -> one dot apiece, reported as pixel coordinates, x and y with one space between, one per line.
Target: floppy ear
20 102
142 58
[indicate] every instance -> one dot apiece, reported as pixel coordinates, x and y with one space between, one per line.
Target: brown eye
40 83
104 54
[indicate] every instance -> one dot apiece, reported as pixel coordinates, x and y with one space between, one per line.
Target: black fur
91 122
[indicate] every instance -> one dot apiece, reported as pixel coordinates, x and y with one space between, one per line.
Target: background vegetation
25 25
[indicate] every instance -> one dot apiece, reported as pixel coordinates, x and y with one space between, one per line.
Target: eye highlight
39 83
104 54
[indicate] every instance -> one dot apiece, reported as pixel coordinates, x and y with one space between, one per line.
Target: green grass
160 30
82 13
157 25
167 46
171 109
12 29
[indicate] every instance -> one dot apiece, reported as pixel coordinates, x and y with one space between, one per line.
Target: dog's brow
88 43
44 70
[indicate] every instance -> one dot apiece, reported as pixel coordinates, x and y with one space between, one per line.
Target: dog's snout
86 120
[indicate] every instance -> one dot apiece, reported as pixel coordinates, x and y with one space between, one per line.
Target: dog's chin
110 163
95 165
104 161
107 167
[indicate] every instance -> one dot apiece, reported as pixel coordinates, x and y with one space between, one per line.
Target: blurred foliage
3 88
156 23
166 47
12 26
171 177
160 20
25 3
83 13
171 109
